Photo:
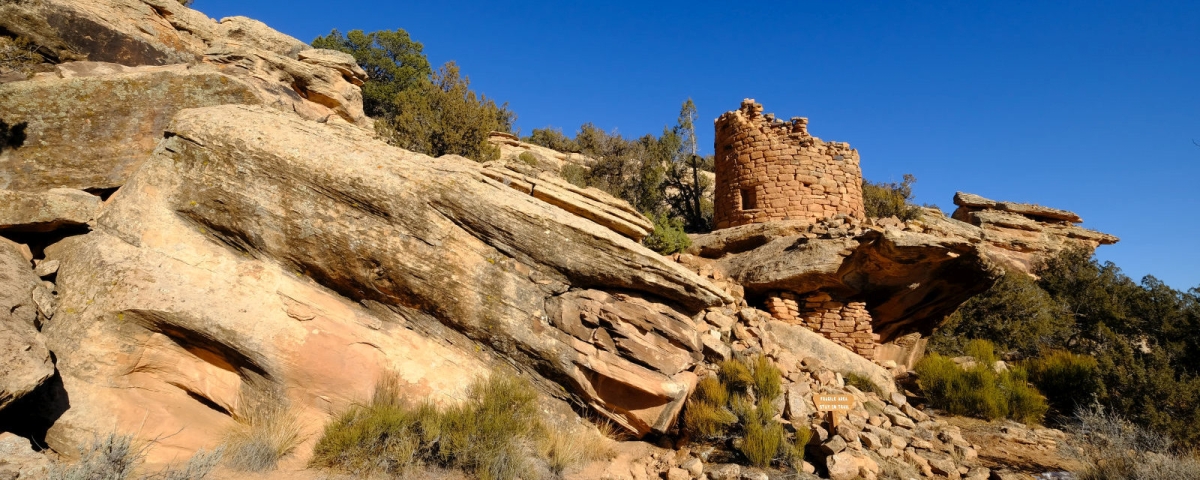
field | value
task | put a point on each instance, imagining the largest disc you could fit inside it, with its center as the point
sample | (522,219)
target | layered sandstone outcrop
(130,65)
(590,203)
(337,261)
(1020,235)
(164,32)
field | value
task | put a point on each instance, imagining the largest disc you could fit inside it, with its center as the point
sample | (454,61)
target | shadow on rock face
(32,415)
(12,136)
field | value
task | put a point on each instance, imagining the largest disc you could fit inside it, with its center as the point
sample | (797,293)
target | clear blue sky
(1090,106)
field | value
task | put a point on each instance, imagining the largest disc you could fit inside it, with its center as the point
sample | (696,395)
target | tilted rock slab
(590,203)
(245,252)
(1020,235)
(46,211)
(24,360)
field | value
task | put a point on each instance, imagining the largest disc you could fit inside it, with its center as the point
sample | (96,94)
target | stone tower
(773,170)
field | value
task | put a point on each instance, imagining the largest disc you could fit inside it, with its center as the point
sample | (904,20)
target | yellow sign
(836,405)
(833,403)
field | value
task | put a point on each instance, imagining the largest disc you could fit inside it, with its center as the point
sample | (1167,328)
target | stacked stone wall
(769,170)
(846,323)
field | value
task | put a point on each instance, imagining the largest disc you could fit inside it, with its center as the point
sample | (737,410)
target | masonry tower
(771,170)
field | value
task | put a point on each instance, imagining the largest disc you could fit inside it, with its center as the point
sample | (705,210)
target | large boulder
(24,360)
(257,251)
(1020,235)
(802,341)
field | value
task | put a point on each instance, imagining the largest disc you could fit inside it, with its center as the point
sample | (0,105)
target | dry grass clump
(266,432)
(980,391)
(737,403)
(112,457)
(116,457)
(563,448)
(1111,448)
(496,433)
(18,55)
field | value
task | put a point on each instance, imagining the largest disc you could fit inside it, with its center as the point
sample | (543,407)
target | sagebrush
(980,390)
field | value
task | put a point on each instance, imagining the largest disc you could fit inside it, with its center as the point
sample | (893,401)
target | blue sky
(1088,106)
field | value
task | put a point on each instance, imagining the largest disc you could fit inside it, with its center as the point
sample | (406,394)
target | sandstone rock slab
(92,132)
(46,211)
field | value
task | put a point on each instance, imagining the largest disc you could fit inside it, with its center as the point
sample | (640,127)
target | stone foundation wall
(773,170)
(848,324)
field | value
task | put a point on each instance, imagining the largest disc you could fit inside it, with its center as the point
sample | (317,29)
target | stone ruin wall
(847,324)
(771,170)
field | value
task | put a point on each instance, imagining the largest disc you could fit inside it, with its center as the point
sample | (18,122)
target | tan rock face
(164,32)
(24,360)
(1020,235)
(89,131)
(257,250)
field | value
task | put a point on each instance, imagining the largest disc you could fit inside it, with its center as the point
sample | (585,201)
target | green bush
(862,383)
(528,159)
(1014,314)
(445,117)
(668,236)
(737,403)
(575,174)
(707,420)
(795,451)
(979,391)
(883,199)
(552,138)
(983,351)
(1068,380)
(712,391)
(763,440)
(735,375)
(415,107)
